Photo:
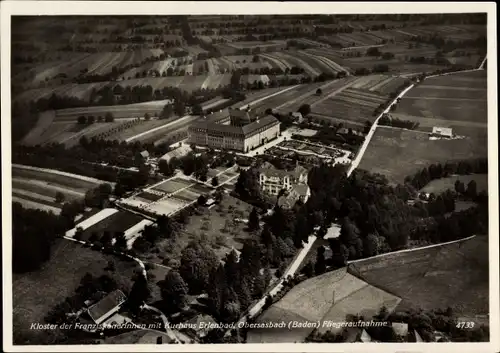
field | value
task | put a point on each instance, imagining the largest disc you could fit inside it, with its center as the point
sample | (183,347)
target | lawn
(440,185)
(432,278)
(172,185)
(35,293)
(117,222)
(397,153)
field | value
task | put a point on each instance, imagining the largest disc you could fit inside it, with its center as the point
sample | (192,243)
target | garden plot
(172,185)
(350,104)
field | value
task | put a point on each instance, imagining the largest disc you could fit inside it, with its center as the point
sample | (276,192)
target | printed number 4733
(465,324)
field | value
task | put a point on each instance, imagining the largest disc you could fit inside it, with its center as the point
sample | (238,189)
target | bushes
(387,120)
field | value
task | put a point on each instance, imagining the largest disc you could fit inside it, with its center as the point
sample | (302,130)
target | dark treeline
(439,170)
(395,122)
(33,234)
(426,323)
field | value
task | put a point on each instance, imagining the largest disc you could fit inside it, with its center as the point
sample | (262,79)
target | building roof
(242,131)
(200,318)
(400,328)
(418,338)
(99,311)
(365,337)
(297,115)
(145,154)
(301,189)
(181,151)
(447,131)
(270,170)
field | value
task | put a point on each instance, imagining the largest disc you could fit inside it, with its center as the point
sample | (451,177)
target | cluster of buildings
(289,186)
(241,130)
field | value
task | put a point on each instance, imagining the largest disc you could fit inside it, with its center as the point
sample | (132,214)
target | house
(297,116)
(145,154)
(272,180)
(107,306)
(298,192)
(442,132)
(201,325)
(179,152)
(400,329)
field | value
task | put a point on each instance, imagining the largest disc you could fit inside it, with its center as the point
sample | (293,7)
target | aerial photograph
(200,179)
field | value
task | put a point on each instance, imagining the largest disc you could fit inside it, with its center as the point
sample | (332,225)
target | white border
(9,8)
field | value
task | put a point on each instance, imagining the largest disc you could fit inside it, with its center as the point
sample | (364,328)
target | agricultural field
(36,293)
(397,153)
(35,188)
(431,278)
(331,296)
(447,101)
(438,186)
(351,104)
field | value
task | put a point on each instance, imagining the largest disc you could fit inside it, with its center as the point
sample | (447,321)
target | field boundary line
(411,250)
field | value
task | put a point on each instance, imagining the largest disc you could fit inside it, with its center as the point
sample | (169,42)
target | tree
(459,187)
(109,118)
(82,120)
(139,293)
(165,168)
(253,220)
(120,241)
(78,233)
(60,197)
(472,189)
(370,245)
(174,290)
(179,107)
(319,92)
(90,120)
(197,109)
(320,266)
(215,181)
(255,59)
(147,117)
(166,112)
(305,109)
(309,269)
(198,260)
(373,51)
(202,200)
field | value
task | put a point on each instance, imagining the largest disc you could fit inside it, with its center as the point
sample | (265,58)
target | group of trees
(33,234)
(395,122)
(439,170)
(108,118)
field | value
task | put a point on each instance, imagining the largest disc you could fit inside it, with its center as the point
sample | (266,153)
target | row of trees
(440,170)
(387,120)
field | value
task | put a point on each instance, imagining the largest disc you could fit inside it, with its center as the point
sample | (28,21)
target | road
(185,117)
(267,97)
(370,134)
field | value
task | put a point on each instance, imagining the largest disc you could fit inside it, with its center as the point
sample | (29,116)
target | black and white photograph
(204,177)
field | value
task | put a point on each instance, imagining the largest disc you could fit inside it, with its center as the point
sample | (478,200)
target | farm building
(179,152)
(107,306)
(245,132)
(272,180)
(442,132)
